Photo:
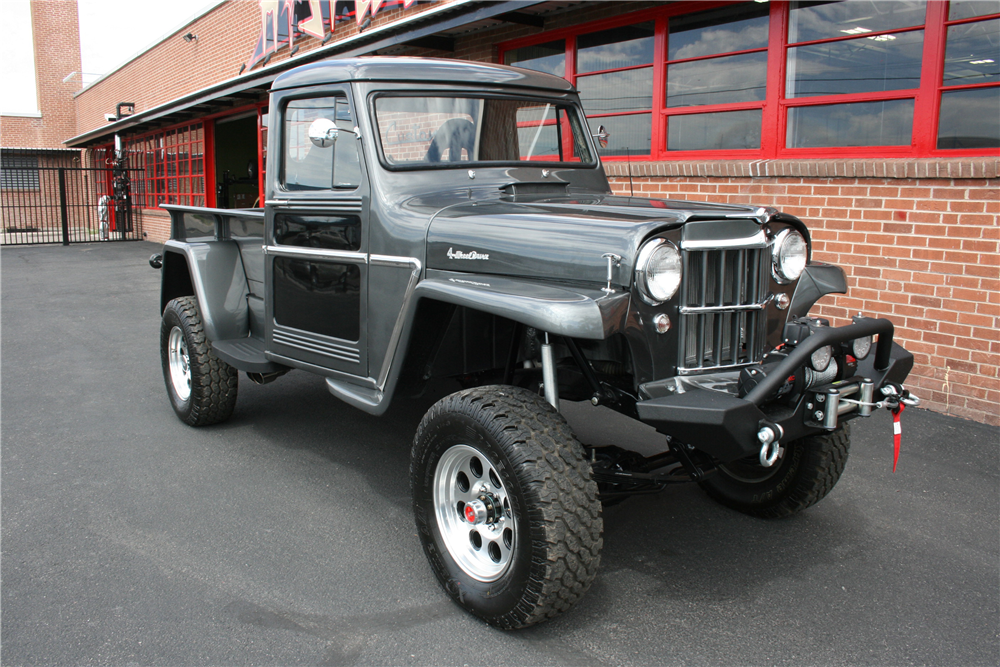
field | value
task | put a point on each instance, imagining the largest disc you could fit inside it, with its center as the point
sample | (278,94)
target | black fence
(59,204)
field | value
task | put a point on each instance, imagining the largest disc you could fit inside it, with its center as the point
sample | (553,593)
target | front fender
(217,280)
(578,312)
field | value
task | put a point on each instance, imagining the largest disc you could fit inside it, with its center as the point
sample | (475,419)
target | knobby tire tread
(550,463)
(215,384)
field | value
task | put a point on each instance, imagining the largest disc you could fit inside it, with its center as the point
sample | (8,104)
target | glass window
(549,58)
(865,65)
(970,119)
(19,172)
(630,135)
(311,167)
(616,48)
(808,21)
(973,53)
(730,130)
(739,28)
(425,131)
(964,9)
(888,123)
(628,90)
(740,78)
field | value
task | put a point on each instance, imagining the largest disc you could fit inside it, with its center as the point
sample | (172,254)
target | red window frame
(775,106)
(173,172)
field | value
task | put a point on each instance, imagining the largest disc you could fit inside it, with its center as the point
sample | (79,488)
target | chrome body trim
(397,330)
(348,256)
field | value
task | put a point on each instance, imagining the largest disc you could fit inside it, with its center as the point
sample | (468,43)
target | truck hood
(563,238)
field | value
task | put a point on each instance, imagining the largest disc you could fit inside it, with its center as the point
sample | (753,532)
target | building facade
(878,123)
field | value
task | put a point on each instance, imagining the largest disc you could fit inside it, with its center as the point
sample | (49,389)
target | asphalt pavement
(285,536)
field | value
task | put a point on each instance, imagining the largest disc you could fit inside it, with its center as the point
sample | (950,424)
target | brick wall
(921,251)
(173,68)
(56,45)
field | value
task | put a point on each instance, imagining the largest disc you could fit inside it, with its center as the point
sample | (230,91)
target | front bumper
(726,426)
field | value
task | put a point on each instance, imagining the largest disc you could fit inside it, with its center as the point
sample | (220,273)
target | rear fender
(212,272)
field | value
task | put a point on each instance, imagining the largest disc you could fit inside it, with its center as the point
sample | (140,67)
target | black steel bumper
(726,426)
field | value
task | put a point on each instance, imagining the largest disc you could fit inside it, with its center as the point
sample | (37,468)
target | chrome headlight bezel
(789,256)
(657,287)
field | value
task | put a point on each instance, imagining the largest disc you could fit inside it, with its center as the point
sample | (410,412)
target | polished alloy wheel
(473,513)
(180,364)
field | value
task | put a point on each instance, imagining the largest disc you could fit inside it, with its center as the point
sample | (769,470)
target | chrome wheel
(179,364)
(473,513)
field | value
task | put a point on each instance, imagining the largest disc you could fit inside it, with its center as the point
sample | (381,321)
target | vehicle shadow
(687,547)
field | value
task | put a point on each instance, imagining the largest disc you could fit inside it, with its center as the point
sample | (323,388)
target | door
(317,228)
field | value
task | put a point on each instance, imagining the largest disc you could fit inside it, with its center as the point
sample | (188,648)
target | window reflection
(612,49)
(973,53)
(549,58)
(730,130)
(808,21)
(970,119)
(868,64)
(630,135)
(723,30)
(888,123)
(629,90)
(723,80)
(964,9)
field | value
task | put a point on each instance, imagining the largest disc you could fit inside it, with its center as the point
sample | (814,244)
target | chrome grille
(722,316)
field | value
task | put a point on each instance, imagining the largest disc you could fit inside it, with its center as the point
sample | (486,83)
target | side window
(307,166)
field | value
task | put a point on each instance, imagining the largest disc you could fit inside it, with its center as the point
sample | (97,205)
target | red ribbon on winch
(897,432)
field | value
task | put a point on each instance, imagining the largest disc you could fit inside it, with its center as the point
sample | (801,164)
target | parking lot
(285,536)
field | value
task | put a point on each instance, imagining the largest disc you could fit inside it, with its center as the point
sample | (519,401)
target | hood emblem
(472,254)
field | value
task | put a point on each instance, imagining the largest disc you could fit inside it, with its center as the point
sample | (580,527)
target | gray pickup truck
(436,219)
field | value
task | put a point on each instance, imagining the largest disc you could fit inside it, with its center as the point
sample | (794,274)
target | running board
(246,354)
(370,399)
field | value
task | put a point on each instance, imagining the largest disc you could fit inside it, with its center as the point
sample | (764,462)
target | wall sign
(284,21)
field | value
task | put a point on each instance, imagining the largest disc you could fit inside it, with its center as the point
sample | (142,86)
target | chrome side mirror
(323,132)
(602,136)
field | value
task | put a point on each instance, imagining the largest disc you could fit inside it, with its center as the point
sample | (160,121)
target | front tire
(505,506)
(804,475)
(202,387)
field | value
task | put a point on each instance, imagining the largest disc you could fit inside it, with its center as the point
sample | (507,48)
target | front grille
(722,316)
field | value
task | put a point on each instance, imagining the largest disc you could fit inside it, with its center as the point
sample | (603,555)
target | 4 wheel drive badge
(472,254)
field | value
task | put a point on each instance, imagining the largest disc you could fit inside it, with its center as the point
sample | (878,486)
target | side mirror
(602,136)
(323,132)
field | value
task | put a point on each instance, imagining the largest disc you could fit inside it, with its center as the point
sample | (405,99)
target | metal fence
(56,204)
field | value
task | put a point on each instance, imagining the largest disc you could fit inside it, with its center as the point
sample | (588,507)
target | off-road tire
(804,475)
(553,503)
(213,383)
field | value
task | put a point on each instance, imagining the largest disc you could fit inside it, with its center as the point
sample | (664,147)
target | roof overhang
(251,87)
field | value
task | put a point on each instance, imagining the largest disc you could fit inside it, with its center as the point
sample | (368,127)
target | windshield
(427,132)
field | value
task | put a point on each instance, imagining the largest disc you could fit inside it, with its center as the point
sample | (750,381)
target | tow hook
(156,261)
(770,451)
(896,394)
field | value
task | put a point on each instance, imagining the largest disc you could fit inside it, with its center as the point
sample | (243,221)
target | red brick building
(877,123)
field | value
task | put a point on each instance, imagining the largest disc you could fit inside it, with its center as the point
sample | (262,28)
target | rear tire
(804,475)
(535,549)
(202,387)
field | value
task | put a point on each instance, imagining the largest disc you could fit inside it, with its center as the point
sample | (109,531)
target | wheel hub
(473,512)
(486,509)
(179,363)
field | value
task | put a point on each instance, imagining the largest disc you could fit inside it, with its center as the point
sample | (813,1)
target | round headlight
(658,271)
(860,347)
(789,255)
(820,359)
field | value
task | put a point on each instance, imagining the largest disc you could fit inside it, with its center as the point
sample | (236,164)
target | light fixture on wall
(190,37)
